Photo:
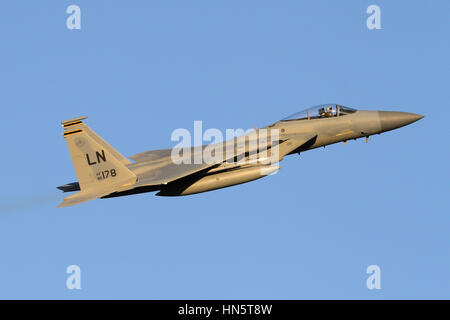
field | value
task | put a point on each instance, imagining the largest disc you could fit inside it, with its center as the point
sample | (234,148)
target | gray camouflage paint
(155,171)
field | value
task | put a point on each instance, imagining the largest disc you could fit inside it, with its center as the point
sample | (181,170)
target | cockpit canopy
(322,111)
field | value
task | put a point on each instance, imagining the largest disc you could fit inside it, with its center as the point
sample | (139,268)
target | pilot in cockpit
(329,111)
(322,112)
(326,113)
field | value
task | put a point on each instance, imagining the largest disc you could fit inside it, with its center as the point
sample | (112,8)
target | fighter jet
(103,172)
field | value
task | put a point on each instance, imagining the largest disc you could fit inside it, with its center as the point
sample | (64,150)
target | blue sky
(140,69)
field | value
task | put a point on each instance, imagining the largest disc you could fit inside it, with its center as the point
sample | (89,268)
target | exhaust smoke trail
(28,202)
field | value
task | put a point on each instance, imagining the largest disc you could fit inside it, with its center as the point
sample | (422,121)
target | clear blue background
(140,69)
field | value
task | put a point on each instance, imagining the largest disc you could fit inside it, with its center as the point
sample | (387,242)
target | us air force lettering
(100,157)
(103,172)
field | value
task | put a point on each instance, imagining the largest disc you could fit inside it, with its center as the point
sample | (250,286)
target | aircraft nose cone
(392,119)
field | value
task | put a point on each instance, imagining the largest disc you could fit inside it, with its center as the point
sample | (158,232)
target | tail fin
(100,169)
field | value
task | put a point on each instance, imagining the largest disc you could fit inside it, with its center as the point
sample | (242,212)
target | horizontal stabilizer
(82,196)
(70,187)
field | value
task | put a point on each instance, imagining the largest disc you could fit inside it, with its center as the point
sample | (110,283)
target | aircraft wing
(156,167)
(171,172)
(151,155)
(161,169)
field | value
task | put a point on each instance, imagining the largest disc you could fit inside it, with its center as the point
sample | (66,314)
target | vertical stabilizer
(99,167)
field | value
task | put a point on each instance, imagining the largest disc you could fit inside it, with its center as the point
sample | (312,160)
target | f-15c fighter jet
(103,172)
